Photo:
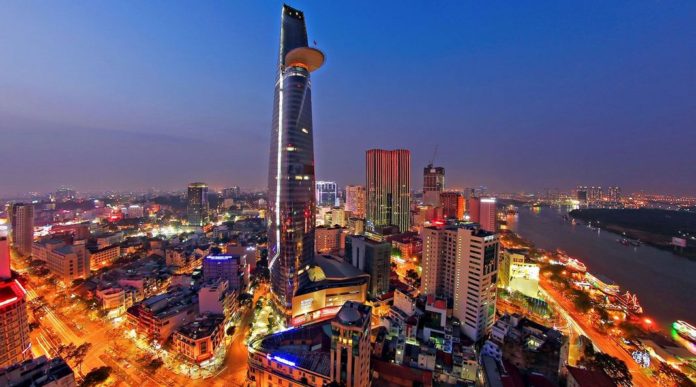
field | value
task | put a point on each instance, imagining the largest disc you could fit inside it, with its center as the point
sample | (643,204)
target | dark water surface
(665,283)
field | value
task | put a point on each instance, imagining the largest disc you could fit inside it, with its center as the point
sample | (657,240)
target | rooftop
(326,272)
(354,314)
(594,378)
(201,327)
(307,347)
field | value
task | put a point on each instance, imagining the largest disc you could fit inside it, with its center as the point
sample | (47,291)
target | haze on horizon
(522,96)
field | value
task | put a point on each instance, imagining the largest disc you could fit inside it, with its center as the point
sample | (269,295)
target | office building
(291,196)
(460,263)
(488,218)
(330,240)
(316,354)
(226,267)
(22,227)
(326,193)
(452,204)
(197,204)
(473,207)
(355,200)
(350,345)
(433,185)
(388,188)
(39,372)
(371,257)
(15,345)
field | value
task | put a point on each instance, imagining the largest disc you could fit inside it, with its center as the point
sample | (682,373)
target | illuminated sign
(219,257)
(284,361)
(306,304)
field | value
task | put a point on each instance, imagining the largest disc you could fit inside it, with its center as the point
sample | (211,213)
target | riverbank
(650,226)
(662,281)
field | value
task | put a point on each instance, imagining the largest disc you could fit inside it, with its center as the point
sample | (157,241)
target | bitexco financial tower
(291,168)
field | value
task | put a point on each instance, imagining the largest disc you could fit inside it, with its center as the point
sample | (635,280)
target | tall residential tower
(291,180)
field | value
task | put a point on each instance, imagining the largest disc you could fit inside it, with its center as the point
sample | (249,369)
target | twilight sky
(519,95)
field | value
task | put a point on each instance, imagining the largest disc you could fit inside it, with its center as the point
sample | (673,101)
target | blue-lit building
(291,181)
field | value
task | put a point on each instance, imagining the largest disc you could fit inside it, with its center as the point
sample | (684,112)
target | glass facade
(291,180)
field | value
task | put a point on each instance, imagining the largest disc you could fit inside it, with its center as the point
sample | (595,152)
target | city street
(601,340)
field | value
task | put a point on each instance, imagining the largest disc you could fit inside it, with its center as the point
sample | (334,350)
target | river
(665,283)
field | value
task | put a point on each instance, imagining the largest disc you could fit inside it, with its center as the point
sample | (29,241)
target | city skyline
(553,103)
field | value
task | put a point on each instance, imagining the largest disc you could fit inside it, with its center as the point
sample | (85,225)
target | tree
(79,354)
(582,301)
(154,364)
(96,376)
(603,314)
(615,368)
(412,274)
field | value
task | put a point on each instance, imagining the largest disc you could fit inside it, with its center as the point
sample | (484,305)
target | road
(601,340)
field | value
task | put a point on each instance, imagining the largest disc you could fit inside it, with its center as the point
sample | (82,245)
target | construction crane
(432,160)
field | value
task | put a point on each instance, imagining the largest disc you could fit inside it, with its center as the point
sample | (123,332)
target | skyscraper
(614,194)
(388,188)
(433,184)
(291,187)
(461,263)
(488,215)
(22,223)
(326,193)
(197,204)
(355,200)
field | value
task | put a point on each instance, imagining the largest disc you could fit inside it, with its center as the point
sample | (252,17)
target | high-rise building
(291,195)
(355,200)
(231,193)
(327,194)
(350,345)
(581,194)
(473,206)
(614,194)
(226,267)
(388,188)
(22,224)
(452,205)
(595,194)
(197,204)
(371,257)
(15,345)
(461,263)
(488,215)
(433,184)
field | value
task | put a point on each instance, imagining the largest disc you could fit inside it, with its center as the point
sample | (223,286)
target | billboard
(679,242)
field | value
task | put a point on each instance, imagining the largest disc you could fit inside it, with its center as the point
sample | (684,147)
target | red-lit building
(452,205)
(15,345)
(388,188)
